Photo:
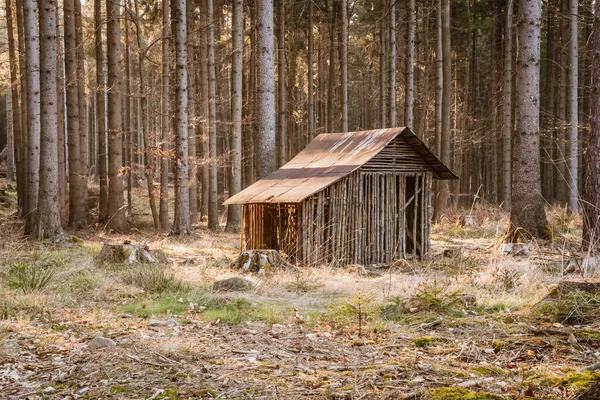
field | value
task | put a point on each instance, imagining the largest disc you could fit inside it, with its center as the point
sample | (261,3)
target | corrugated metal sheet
(328,158)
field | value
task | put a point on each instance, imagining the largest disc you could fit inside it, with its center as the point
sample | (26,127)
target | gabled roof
(328,158)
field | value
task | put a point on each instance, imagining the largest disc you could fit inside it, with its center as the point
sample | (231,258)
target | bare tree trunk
(48,221)
(213,205)
(383,73)
(181,222)
(149,159)
(265,148)
(310,73)
(234,212)
(344,61)
(409,98)
(23,109)
(331,76)
(77,176)
(591,189)
(81,95)
(439,79)
(63,199)
(33,105)
(392,58)
(127,123)
(573,143)
(551,71)
(164,164)
(527,210)
(10,144)
(204,108)
(192,117)
(100,114)
(508,126)
(116,210)
(562,189)
(281,139)
(442,197)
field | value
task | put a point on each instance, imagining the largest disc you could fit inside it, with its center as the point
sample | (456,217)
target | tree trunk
(48,221)
(527,212)
(164,163)
(281,139)
(33,105)
(63,199)
(127,123)
(383,74)
(573,122)
(310,72)
(409,98)
(23,110)
(392,59)
(234,216)
(213,205)
(100,114)
(77,175)
(116,211)
(81,96)
(16,108)
(591,189)
(331,76)
(181,222)
(192,117)
(507,109)
(265,148)
(439,79)
(149,159)
(344,61)
(442,196)
(204,107)
(10,144)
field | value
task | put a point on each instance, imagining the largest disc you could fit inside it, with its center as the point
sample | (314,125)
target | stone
(100,342)
(234,284)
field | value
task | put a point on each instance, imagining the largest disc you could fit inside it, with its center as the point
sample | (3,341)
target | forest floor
(466,324)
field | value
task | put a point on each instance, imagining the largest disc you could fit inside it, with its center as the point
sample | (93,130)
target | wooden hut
(355,197)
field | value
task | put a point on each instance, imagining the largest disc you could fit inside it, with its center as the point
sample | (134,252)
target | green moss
(169,394)
(579,381)
(498,345)
(448,393)
(588,334)
(425,341)
(118,389)
(488,370)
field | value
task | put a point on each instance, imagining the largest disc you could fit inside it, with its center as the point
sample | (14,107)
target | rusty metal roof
(328,158)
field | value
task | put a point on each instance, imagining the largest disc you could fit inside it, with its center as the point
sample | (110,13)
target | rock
(515,249)
(100,342)
(234,284)
(162,322)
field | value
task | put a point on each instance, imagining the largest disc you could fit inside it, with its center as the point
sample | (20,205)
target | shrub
(154,279)
(30,277)
(576,307)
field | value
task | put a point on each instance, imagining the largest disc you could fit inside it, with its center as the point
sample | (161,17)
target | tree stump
(260,261)
(130,253)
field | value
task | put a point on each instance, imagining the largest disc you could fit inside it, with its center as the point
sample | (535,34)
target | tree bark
(409,98)
(344,61)
(392,60)
(33,117)
(439,79)
(81,95)
(77,175)
(48,217)
(281,140)
(164,163)
(527,212)
(591,189)
(265,148)
(203,59)
(10,145)
(573,122)
(116,211)
(149,159)
(310,76)
(63,199)
(192,117)
(181,222)
(507,135)
(23,109)
(100,114)
(213,205)
(234,212)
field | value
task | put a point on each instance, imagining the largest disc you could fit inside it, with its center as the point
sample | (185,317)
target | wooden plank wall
(363,219)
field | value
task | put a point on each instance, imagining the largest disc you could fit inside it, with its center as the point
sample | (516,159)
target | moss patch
(449,393)
(488,370)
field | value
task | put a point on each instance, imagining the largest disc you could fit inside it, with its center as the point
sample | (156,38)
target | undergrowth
(576,307)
